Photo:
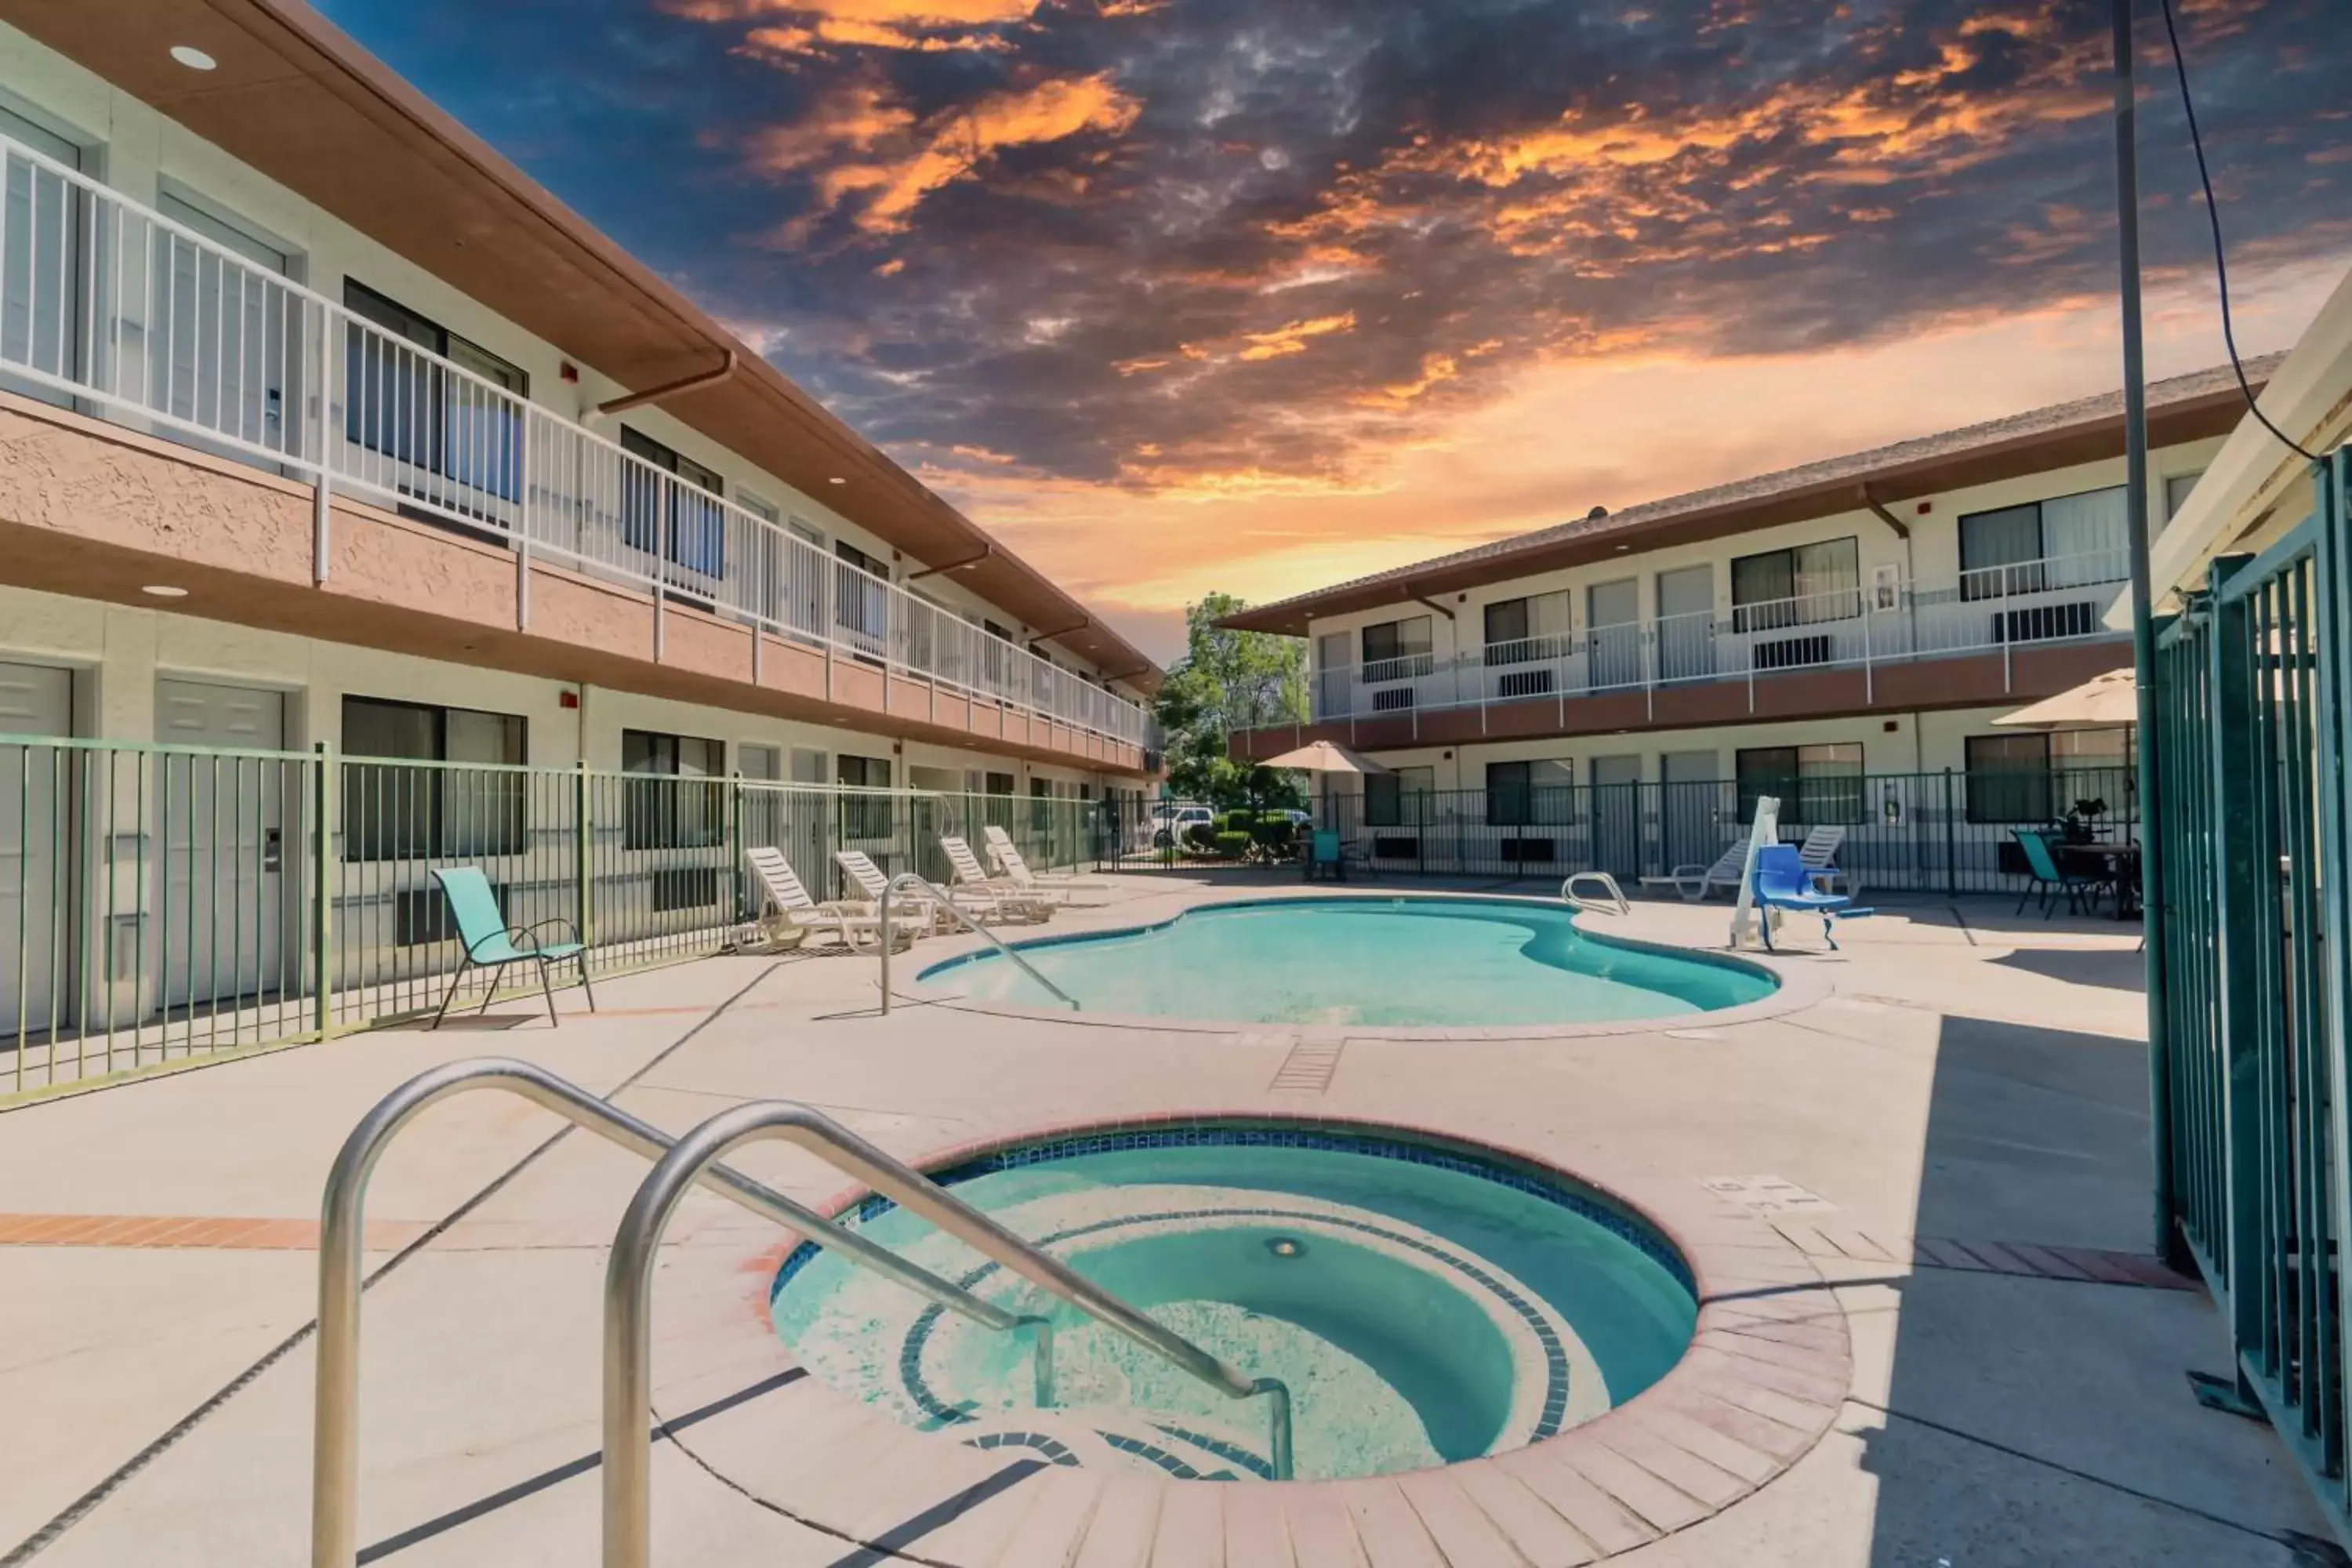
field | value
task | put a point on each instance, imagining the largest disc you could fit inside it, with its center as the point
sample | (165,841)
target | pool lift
(683,1163)
(1774,879)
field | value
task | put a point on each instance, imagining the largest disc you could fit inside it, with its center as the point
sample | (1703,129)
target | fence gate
(2253,685)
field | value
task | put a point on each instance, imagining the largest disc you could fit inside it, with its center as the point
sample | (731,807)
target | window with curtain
(1534,627)
(2176,489)
(1397,650)
(674,799)
(411,409)
(2038,776)
(1399,798)
(861,593)
(2009,779)
(686,521)
(1814,785)
(865,816)
(1523,794)
(2062,543)
(42,290)
(396,812)
(1799,586)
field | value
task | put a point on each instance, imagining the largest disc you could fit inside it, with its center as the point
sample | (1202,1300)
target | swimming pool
(1381,962)
(1426,1302)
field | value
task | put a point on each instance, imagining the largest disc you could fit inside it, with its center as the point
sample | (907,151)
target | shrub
(1232,846)
(1276,833)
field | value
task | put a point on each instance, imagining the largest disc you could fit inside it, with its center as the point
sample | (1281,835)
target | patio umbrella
(2106,701)
(1325,757)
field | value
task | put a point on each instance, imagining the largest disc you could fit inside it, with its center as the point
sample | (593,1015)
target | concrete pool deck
(1962,1100)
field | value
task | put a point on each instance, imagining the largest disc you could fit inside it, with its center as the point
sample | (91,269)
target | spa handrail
(334,1476)
(629,1277)
(940,897)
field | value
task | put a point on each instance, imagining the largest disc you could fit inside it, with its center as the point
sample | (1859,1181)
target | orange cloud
(1291,337)
(1435,370)
(907,163)
(859,142)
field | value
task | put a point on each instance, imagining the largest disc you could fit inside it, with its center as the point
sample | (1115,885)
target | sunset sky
(1255,295)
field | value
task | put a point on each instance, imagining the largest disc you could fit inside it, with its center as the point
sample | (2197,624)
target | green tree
(1229,682)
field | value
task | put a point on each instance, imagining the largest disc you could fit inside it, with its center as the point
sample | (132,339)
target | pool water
(1423,1306)
(1378,962)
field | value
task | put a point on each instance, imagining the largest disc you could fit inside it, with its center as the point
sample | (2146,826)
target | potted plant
(2082,819)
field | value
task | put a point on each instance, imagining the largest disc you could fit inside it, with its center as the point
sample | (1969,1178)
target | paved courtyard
(1956,1105)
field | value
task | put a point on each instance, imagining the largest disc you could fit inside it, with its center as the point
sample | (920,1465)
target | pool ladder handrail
(334,1477)
(629,1294)
(940,897)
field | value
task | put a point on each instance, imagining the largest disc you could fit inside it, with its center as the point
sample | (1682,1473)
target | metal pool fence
(2255,704)
(160,903)
(1932,833)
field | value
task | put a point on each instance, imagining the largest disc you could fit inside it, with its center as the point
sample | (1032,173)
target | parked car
(1175,822)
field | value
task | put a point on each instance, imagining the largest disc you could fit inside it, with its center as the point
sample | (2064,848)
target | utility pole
(2151,802)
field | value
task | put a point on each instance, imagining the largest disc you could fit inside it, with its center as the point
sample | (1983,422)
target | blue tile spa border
(1218,1134)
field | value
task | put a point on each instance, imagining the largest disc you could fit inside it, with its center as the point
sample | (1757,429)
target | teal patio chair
(492,945)
(1325,857)
(2050,880)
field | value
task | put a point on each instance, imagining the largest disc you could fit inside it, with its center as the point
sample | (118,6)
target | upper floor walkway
(113,310)
(1861,627)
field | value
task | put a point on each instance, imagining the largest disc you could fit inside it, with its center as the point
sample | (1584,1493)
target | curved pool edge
(1769,1364)
(1796,986)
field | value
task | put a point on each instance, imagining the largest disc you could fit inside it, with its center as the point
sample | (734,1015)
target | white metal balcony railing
(108,302)
(1999,608)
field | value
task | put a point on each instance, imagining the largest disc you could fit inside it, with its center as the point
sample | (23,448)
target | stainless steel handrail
(334,1476)
(629,1278)
(940,895)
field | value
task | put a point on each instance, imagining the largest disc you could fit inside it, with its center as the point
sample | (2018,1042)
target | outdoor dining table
(2116,864)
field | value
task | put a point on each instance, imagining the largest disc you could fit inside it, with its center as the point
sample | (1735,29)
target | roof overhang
(2256,489)
(2088,440)
(298,100)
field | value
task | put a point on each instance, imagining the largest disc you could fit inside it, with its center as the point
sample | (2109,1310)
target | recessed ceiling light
(164,591)
(837,479)
(194,58)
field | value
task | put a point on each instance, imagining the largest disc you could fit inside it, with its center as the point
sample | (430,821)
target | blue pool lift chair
(1782,883)
(491,943)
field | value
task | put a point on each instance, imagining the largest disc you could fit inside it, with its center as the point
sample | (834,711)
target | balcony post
(1869,676)
(322,504)
(522,523)
(1644,652)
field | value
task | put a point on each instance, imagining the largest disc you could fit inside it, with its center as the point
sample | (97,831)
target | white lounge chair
(1818,852)
(1695,881)
(916,909)
(787,914)
(1008,859)
(1020,883)
(973,884)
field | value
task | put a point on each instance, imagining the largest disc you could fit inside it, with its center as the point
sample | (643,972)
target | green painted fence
(2255,695)
(166,902)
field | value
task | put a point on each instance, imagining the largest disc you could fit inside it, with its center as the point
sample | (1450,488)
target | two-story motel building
(321,424)
(1837,635)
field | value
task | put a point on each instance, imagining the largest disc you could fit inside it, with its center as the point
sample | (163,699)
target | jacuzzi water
(1380,961)
(1423,1305)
